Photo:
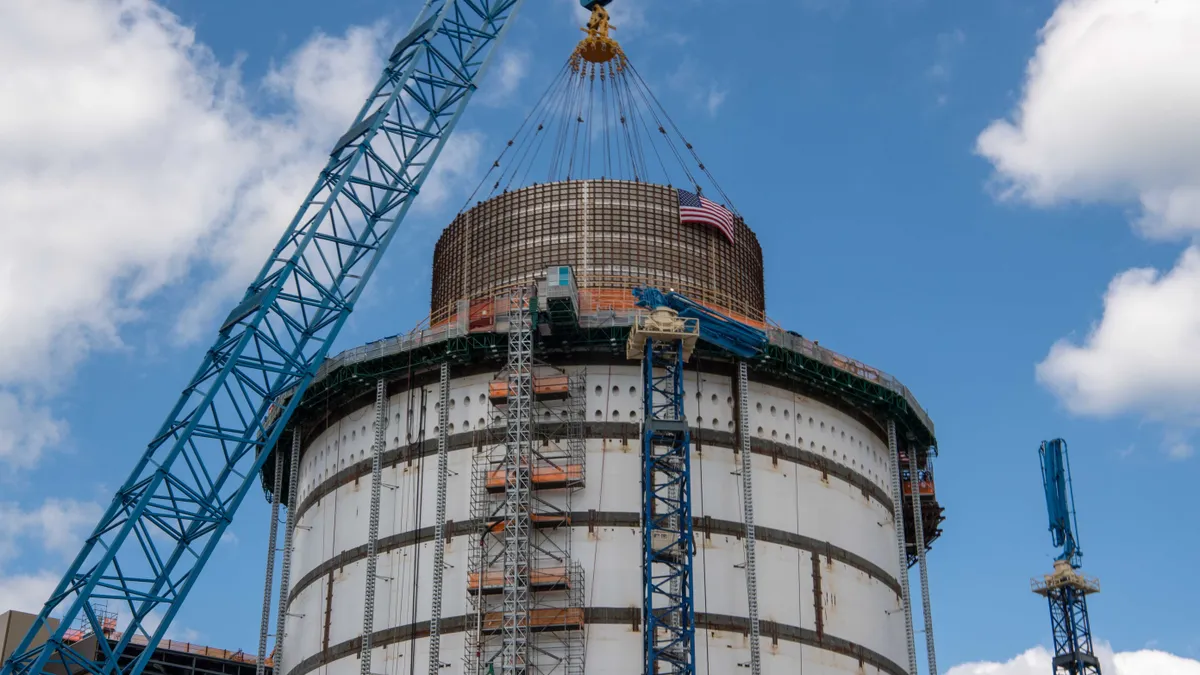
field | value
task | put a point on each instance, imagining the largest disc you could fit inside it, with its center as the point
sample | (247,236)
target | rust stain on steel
(818,603)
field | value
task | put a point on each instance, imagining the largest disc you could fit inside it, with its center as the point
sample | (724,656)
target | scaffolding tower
(525,589)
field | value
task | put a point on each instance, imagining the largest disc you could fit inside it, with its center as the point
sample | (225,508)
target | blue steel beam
(164,522)
(668,612)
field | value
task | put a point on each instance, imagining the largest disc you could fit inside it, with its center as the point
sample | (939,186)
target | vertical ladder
(898,519)
(748,515)
(285,569)
(518,486)
(918,525)
(272,543)
(668,614)
(439,522)
(364,663)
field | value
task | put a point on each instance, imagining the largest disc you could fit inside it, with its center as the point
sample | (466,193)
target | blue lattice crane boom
(163,524)
(1060,500)
(1066,590)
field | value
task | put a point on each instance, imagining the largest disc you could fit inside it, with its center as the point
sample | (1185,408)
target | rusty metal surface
(615,234)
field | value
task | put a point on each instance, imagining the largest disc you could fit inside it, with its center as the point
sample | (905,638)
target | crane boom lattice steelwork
(165,521)
(1066,590)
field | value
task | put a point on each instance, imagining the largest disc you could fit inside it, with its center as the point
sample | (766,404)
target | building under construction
(823,432)
(595,456)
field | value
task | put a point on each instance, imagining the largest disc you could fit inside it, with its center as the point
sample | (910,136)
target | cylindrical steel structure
(827,569)
(614,234)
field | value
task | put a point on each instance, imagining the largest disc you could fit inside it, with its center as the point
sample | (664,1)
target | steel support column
(902,555)
(439,521)
(748,514)
(285,568)
(364,655)
(269,577)
(919,527)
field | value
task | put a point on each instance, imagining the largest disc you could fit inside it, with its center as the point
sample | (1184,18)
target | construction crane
(1066,589)
(163,524)
(664,340)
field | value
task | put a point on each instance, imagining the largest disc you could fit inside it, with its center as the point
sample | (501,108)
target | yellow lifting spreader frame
(598,47)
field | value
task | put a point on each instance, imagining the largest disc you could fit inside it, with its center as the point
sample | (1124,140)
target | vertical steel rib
(269,577)
(364,662)
(748,515)
(919,527)
(439,522)
(898,519)
(285,569)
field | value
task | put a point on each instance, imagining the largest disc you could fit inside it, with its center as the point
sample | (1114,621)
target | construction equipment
(165,521)
(1066,589)
(664,340)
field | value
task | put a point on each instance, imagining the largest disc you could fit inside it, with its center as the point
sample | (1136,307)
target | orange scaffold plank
(540,619)
(545,387)
(544,477)
(549,579)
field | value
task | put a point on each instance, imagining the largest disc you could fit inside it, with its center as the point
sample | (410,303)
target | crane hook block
(590,4)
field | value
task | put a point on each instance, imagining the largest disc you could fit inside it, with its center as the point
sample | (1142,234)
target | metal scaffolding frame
(743,385)
(368,631)
(552,466)
(285,568)
(439,522)
(902,559)
(260,666)
(915,481)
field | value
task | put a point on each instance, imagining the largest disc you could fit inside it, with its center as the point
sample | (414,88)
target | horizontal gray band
(701,439)
(620,616)
(589,519)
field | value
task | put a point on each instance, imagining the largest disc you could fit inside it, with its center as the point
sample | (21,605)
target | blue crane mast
(164,522)
(1066,589)
(664,340)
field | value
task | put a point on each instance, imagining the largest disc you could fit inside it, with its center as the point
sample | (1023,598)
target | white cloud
(26,430)
(1036,661)
(1107,113)
(1106,116)
(137,160)
(1144,355)
(26,592)
(504,77)
(57,526)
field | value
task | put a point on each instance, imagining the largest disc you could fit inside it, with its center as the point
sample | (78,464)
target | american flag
(696,209)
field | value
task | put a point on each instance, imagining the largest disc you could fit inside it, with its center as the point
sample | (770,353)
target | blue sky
(910,218)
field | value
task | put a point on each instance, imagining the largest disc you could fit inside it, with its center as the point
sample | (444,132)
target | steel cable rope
(496,163)
(398,503)
(642,92)
(580,93)
(636,115)
(796,496)
(703,549)
(629,132)
(420,502)
(540,139)
(587,131)
(599,508)
(690,147)
(606,122)
(555,95)
(560,133)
